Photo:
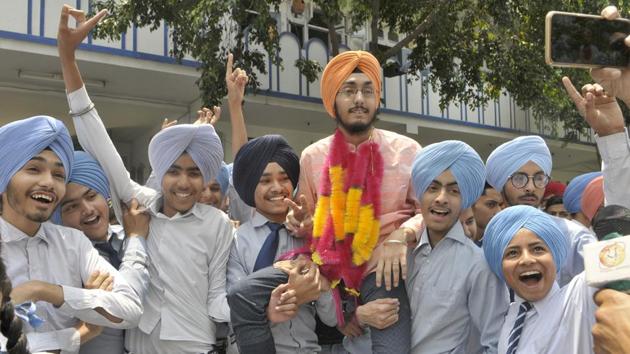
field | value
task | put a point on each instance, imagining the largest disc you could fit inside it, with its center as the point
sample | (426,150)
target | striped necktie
(515,333)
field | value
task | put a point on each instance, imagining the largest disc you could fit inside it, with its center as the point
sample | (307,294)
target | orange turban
(340,68)
(593,197)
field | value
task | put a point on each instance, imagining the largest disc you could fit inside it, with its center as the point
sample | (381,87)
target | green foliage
(309,68)
(473,50)
(205,29)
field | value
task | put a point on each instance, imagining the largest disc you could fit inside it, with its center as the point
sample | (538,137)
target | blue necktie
(107,250)
(515,333)
(267,253)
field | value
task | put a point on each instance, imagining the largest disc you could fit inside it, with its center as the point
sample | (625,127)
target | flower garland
(346,222)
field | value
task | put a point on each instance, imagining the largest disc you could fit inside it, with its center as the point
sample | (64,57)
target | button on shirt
(559,323)
(298,334)
(451,293)
(188,252)
(65,256)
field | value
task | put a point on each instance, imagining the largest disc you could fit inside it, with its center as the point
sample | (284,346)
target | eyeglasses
(349,92)
(520,180)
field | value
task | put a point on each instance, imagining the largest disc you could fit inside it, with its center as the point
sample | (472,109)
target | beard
(14,203)
(358,127)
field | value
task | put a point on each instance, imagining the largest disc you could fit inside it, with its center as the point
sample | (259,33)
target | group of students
(362,233)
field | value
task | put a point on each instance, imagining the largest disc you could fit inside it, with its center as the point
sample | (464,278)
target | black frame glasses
(520,180)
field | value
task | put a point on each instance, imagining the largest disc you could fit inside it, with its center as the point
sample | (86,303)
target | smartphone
(585,41)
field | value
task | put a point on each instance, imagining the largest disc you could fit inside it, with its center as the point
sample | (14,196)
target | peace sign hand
(299,220)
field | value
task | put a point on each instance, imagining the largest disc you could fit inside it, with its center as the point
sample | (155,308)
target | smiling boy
(47,263)
(266,171)
(451,289)
(524,247)
(188,242)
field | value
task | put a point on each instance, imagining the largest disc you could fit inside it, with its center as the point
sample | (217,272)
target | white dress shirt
(189,252)
(133,268)
(615,152)
(64,256)
(578,236)
(453,293)
(298,334)
(559,323)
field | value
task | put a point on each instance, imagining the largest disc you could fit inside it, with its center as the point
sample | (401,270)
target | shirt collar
(456,233)
(258,219)
(376,137)
(541,305)
(11,233)
(156,205)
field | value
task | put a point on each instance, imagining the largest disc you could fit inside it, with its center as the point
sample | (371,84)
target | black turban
(252,159)
(611,218)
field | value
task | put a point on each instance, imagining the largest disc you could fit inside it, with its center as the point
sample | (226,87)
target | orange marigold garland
(346,222)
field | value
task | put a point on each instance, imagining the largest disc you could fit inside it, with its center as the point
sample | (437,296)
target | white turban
(201,142)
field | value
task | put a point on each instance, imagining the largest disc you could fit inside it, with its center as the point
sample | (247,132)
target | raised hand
(235,81)
(615,81)
(299,219)
(601,112)
(68,39)
(168,123)
(208,116)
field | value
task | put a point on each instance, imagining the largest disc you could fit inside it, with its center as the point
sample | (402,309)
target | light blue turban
(509,157)
(572,197)
(223,178)
(504,226)
(87,172)
(20,141)
(463,161)
(201,142)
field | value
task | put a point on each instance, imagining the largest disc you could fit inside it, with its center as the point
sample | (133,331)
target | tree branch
(410,37)
(376,7)
(332,35)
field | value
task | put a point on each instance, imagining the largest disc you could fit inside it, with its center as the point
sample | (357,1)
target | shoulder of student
(319,147)
(210,214)
(572,229)
(69,235)
(398,140)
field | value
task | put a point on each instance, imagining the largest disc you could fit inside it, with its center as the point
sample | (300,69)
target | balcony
(138,69)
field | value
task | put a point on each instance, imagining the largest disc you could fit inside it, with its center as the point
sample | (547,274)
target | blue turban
(200,141)
(509,157)
(88,173)
(20,141)
(252,159)
(223,178)
(504,226)
(463,161)
(572,198)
